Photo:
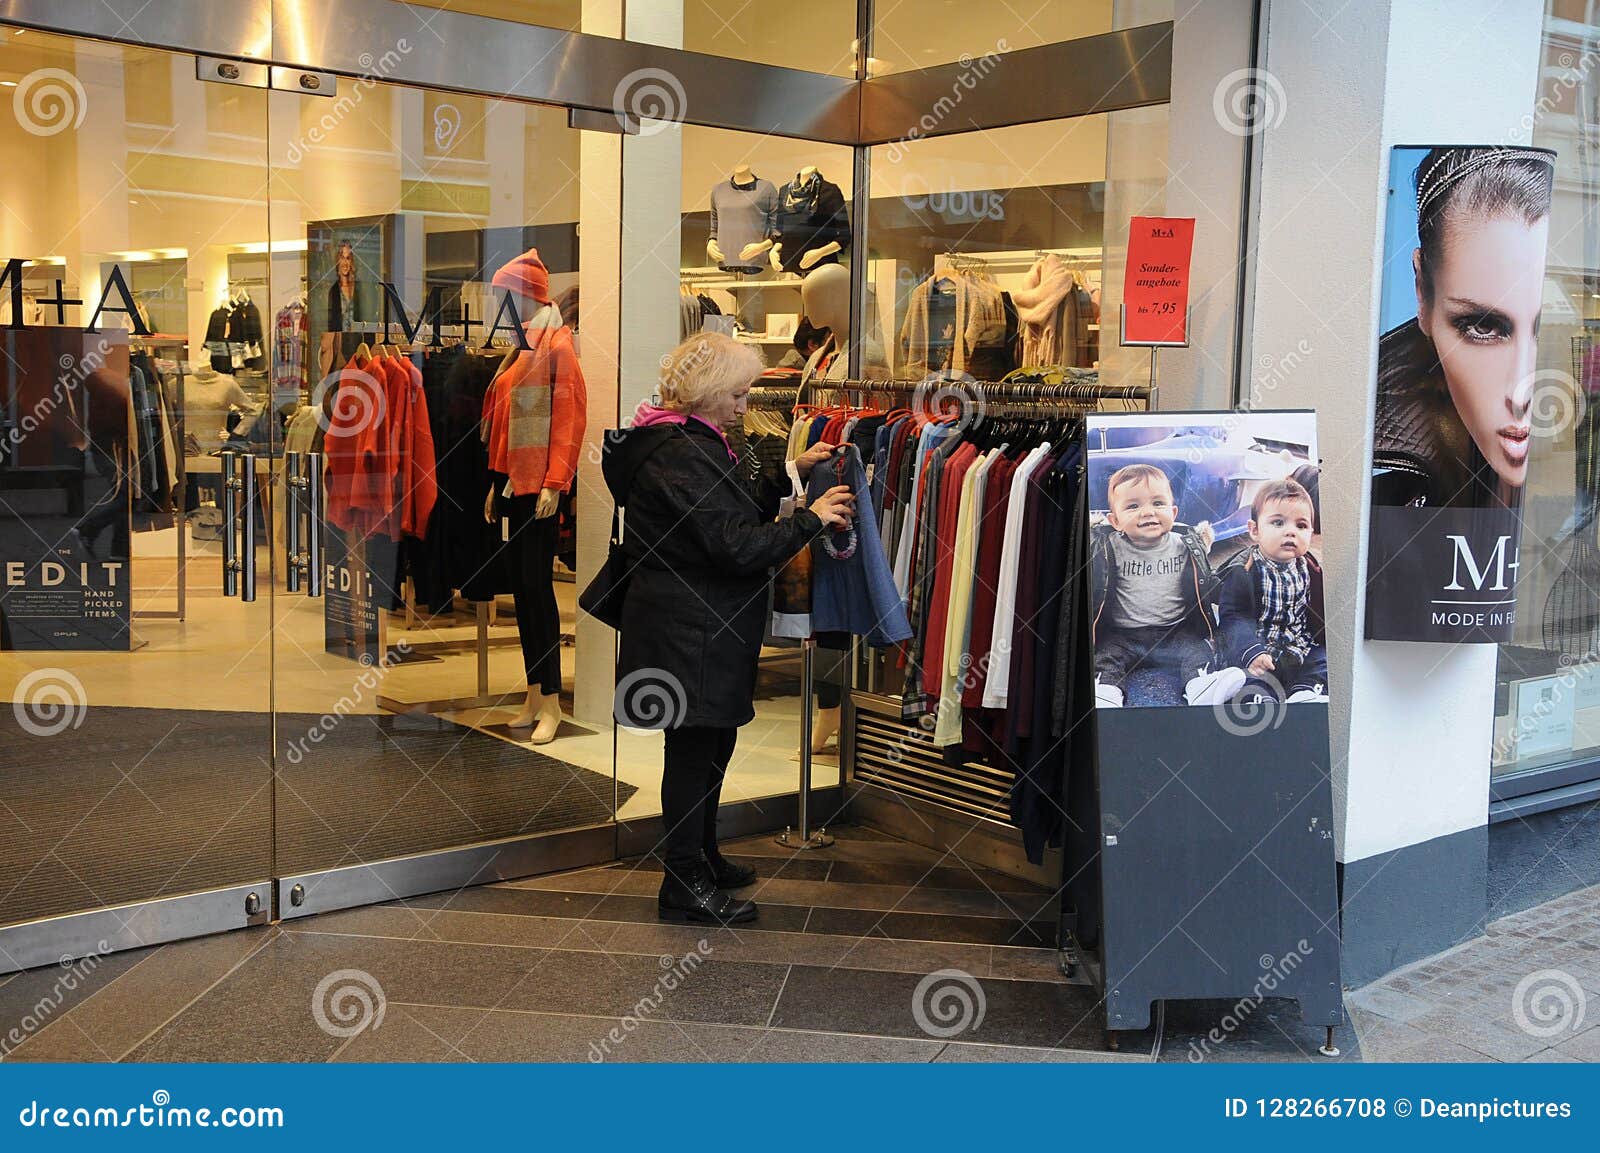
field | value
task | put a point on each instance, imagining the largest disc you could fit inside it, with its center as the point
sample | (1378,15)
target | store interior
(255,232)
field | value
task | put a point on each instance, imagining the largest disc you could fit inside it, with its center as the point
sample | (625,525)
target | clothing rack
(1070,394)
(873,717)
(1018,259)
(1077,393)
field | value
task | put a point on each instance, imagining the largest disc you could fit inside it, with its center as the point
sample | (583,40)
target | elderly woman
(700,544)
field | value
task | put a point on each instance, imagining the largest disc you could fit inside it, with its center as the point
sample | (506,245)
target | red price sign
(1155,286)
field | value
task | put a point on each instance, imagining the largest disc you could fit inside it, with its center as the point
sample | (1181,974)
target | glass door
(425,252)
(135,743)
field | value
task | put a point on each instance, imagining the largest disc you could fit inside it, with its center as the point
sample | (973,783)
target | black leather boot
(727,874)
(696,899)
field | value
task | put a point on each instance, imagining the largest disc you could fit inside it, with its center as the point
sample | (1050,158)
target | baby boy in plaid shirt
(1270,605)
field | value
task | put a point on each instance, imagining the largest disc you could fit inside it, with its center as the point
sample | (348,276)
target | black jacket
(700,545)
(1422,453)
(1199,578)
(810,213)
(1239,609)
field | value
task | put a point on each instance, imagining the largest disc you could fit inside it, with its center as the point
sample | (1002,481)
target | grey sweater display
(741,215)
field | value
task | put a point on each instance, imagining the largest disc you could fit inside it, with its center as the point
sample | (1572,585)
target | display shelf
(729,284)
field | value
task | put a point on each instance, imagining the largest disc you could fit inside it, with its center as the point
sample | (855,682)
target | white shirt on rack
(997,686)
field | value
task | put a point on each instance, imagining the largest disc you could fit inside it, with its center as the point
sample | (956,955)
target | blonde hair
(704,367)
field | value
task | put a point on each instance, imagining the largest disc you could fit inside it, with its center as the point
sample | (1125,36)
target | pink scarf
(648,414)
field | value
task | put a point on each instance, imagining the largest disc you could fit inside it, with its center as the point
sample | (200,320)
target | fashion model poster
(1205,555)
(346,265)
(1463,284)
(75,448)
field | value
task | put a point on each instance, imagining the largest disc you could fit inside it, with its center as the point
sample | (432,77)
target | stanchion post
(804,838)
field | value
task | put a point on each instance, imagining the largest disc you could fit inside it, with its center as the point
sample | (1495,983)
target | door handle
(303,475)
(239,525)
(292,484)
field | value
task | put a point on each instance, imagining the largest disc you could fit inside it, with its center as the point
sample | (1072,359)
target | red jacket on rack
(419,484)
(357,481)
(379,450)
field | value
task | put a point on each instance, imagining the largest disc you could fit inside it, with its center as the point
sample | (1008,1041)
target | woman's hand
(836,508)
(812,457)
(488,506)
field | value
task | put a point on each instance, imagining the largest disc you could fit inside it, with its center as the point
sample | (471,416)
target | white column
(1411,722)
(628,284)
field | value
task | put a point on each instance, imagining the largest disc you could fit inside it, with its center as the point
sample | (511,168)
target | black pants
(532,551)
(691,788)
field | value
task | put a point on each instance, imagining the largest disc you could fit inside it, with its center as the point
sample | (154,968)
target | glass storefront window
(746,269)
(821,38)
(567,15)
(923,33)
(1547,699)
(817,38)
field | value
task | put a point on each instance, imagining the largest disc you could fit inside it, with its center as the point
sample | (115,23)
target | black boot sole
(701,917)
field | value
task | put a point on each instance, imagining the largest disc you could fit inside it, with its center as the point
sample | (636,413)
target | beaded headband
(1441,175)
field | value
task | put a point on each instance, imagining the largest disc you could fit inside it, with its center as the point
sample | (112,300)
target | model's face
(346,264)
(1142,511)
(1484,323)
(1284,530)
(726,409)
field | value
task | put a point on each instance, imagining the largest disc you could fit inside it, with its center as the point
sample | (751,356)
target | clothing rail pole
(803,837)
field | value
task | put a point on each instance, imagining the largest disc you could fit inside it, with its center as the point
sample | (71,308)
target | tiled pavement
(1528,990)
(575,967)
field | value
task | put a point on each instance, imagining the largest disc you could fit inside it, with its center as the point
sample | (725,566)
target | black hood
(626,449)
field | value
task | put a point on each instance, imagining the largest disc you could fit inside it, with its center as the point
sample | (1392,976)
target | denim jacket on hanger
(852,587)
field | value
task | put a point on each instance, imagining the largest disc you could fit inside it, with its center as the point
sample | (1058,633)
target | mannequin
(208,397)
(812,225)
(534,417)
(743,211)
